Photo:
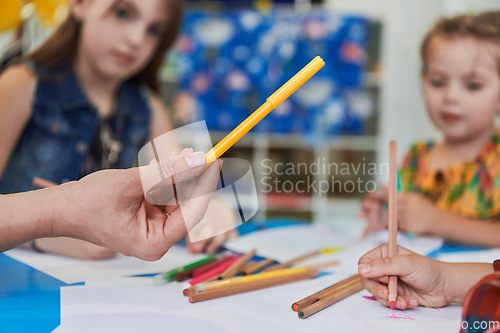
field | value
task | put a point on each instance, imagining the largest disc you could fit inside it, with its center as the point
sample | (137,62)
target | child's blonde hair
(62,45)
(483,27)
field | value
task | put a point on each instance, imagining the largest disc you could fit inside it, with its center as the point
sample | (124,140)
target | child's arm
(17,86)
(460,229)
(422,281)
(418,215)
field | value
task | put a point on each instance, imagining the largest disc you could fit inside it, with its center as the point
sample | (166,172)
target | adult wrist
(61,210)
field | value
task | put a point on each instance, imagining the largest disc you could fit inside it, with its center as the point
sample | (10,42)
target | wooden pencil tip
(301,315)
(190,299)
(185,292)
(295,307)
(392,305)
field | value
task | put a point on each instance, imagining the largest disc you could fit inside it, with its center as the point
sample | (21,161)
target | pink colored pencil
(214,272)
(209,267)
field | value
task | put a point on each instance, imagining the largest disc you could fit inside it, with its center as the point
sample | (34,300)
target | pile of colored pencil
(328,296)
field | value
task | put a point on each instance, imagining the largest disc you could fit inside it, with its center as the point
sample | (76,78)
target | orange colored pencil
(393,218)
(247,267)
(42,183)
(291,262)
(323,264)
(339,294)
(297,306)
(250,286)
(235,268)
(256,267)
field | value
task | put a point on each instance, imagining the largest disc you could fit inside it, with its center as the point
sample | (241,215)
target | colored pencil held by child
(422,281)
(337,292)
(450,189)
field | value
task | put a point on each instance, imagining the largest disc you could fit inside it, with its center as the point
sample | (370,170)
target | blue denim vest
(63,124)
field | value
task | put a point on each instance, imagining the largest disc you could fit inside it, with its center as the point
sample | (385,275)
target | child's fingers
(383,279)
(186,151)
(376,253)
(401,265)
(366,205)
(381,252)
(376,289)
(406,302)
(402,302)
(411,301)
(366,232)
(195,247)
(216,242)
(381,294)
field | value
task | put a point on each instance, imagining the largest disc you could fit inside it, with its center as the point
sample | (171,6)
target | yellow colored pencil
(271,103)
(243,279)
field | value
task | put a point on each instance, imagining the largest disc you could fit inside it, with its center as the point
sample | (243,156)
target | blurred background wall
(231,55)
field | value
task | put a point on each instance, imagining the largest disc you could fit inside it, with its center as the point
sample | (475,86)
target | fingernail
(195,159)
(412,302)
(364,269)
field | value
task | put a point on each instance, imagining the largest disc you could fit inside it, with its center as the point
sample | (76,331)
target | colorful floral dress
(470,189)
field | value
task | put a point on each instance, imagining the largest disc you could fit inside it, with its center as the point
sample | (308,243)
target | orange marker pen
(271,103)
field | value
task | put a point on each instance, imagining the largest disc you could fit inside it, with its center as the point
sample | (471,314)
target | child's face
(462,86)
(118,41)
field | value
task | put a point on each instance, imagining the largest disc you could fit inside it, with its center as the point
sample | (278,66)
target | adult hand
(108,208)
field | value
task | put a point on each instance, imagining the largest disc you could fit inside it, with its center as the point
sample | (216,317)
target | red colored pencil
(204,269)
(214,272)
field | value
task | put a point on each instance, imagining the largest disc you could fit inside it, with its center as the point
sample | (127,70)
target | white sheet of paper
(71,270)
(473,256)
(353,314)
(136,305)
(421,245)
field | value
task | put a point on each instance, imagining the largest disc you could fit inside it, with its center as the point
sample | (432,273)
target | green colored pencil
(170,275)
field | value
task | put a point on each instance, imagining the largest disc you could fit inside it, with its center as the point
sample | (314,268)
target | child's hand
(421,280)
(416,214)
(374,211)
(219,217)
